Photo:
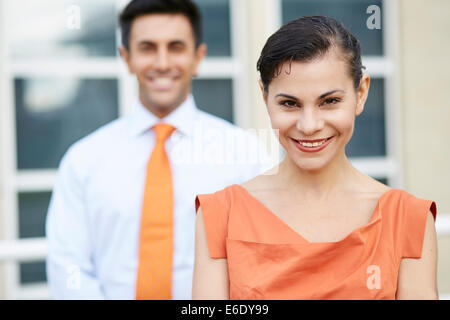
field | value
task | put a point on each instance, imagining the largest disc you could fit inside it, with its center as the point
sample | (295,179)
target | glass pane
(383,180)
(369,135)
(215,97)
(32,212)
(63,28)
(352,13)
(32,272)
(216,26)
(52,113)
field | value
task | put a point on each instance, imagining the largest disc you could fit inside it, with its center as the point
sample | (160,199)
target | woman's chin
(310,165)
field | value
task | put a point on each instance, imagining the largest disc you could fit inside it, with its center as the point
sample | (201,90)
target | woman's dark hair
(307,38)
(137,8)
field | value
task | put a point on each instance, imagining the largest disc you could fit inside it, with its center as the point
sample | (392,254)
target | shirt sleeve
(215,212)
(70,267)
(413,225)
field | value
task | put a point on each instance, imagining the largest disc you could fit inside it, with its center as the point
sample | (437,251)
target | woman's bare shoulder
(258,184)
(372,189)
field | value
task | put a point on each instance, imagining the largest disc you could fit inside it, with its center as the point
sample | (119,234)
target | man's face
(163,56)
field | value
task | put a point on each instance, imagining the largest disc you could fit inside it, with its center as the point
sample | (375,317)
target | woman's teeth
(312,144)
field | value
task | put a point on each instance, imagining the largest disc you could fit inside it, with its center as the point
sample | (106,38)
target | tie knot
(163,131)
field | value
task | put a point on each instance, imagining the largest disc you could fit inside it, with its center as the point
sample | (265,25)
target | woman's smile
(312,145)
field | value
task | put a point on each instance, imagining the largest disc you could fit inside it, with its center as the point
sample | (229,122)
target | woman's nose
(309,121)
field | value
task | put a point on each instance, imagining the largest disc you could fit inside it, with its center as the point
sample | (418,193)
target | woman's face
(313,105)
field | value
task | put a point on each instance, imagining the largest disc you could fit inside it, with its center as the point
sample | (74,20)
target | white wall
(425,79)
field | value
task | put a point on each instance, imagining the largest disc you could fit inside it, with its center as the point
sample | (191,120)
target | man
(121,220)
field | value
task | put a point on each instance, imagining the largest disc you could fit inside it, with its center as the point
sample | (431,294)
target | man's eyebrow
(330,92)
(145,42)
(149,42)
(177,42)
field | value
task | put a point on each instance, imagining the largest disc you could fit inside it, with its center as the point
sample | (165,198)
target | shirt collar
(182,118)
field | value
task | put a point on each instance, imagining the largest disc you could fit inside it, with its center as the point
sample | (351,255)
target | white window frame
(14,250)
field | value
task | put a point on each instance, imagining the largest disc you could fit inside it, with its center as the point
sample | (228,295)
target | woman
(319,228)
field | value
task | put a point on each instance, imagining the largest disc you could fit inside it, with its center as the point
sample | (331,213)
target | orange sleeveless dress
(269,260)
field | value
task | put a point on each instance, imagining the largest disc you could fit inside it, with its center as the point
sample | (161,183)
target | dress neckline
(375,217)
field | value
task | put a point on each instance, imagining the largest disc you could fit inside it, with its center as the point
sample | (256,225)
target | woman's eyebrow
(330,92)
(285,96)
(321,96)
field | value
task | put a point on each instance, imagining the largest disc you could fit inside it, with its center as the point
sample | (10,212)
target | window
(32,212)
(52,113)
(352,13)
(53,73)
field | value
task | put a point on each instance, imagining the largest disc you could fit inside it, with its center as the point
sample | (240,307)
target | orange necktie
(154,277)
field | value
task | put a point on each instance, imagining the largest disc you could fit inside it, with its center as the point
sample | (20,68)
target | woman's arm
(417,277)
(210,275)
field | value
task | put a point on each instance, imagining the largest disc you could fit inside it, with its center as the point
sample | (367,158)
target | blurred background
(61,78)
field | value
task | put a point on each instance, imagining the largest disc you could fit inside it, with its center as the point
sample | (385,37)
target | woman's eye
(288,103)
(331,101)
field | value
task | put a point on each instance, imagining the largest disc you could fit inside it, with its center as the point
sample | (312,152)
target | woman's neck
(335,178)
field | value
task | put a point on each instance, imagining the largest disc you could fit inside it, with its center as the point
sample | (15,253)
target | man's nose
(162,60)
(310,121)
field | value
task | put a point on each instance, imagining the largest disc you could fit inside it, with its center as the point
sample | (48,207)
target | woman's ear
(264,92)
(361,93)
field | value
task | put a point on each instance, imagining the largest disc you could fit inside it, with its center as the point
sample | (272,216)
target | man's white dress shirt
(93,221)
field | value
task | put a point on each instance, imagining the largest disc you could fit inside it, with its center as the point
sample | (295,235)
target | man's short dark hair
(137,8)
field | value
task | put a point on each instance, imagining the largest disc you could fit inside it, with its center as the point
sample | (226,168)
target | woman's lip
(312,149)
(312,141)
